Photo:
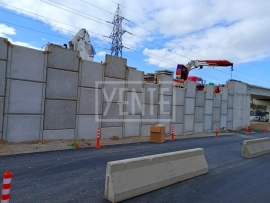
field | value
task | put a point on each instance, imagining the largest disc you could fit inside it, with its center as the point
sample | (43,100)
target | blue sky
(175,31)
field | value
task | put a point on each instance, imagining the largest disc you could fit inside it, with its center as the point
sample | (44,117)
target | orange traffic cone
(6,187)
(98,139)
(172,133)
(216,131)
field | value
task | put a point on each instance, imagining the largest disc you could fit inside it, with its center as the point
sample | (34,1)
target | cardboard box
(157,133)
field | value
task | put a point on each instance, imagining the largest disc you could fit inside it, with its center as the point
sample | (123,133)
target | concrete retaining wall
(255,147)
(70,99)
(132,177)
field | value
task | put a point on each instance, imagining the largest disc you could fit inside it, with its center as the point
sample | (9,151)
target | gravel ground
(259,125)
(9,148)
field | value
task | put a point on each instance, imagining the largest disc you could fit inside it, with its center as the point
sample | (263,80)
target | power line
(178,32)
(106,24)
(33,29)
(143,38)
(97,7)
(73,12)
(45,18)
(69,30)
(162,23)
(33,14)
(35,20)
(167,41)
(252,76)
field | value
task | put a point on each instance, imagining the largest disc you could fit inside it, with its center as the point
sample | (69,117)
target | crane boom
(200,63)
(183,70)
(81,42)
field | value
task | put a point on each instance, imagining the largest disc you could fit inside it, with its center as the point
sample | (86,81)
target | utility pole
(116,35)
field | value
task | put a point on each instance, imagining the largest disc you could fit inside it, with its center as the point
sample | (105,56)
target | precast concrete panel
(223,121)
(87,126)
(89,101)
(208,106)
(229,125)
(237,124)
(224,94)
(230,101)
(246,102)
(208,123)
(149,114)
(110,132)
(58,134)
(132,125)
(178,97)
(165,104)
(165,120)
(209,92)
(166,83)
(91,74)
(237,114)
(27,64)
(231,87)
(60,114)
(230,115)
(112,115)
(238,101)
(61,84)
(200,98)
(134,103)
(145,130)
(115,67)
(20,128)
(199,114)
(245,117)
(190,105)
(178,129)
(216,115)
(1,113)
(151,94)
(198,127)
(3,49)
(24,97)
(65,59)
(135,80)
(178,114)
(189,123)
(240,88)
(224,107)
(114,90)
(3,65)
(191,89)
(217,100)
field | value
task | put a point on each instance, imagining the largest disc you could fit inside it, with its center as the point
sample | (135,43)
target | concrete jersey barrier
(132,177)
(255,147)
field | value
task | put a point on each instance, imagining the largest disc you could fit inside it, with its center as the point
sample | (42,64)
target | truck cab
(199,82)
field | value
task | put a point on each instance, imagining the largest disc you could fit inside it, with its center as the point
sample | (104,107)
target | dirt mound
(114,138)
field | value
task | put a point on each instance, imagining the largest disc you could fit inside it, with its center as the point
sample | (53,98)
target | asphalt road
(78,175)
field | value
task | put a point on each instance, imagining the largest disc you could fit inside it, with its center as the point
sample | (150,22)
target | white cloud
(101,53)
(5,30)
(197,29)
(24,44)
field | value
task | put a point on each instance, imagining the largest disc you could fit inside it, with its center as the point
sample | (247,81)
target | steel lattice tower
(117,33)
